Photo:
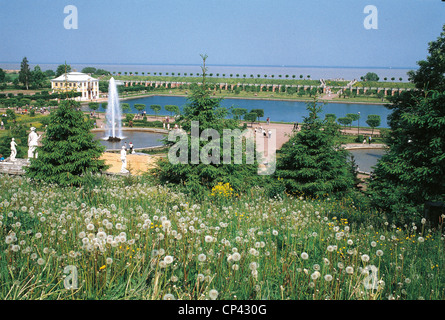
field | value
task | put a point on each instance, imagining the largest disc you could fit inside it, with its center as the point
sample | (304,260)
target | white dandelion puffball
(168,296)
(202,257)
(200,277)
(168,259)
(328,277)
(315,275)
(213,294)
(208,239)
(304,256)
(349,270)
(236,256)
(365,258)
(253,266)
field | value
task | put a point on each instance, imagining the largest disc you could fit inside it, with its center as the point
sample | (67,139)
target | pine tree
(311,163)
(25,73)
(68,154)
(197,177)
(412,171)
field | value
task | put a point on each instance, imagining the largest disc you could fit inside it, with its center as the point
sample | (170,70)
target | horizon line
(216,65)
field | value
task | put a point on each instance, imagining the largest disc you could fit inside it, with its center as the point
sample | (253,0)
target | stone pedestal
(13,167)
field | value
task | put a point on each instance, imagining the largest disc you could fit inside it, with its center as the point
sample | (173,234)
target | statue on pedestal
(13,150)
(33,138)
(124,160)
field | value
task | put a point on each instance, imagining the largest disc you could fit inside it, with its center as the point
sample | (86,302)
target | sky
(230,32)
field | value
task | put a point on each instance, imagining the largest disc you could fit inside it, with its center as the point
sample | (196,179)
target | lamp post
(358,127)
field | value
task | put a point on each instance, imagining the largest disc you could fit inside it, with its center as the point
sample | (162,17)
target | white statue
(33,138)
(124,160)
(13,150)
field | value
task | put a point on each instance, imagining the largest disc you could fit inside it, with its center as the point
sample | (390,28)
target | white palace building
(77,82)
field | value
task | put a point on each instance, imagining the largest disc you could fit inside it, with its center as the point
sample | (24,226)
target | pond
(140,139)
(277,110)
(366,158)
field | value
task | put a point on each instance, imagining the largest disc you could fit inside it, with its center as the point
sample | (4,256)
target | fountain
(113,114)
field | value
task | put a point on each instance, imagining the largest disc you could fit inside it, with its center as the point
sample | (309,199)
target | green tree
(91,70)
(69,154)
(311,162)
(259,113)
(198,176)
(61,69)
(25,73)
(353,116)
(2,75)
(251,117)
(371,76)
(344,121)
(172,109)
(139,107)
(156,108)
(37,78)
(412,170)
(93,106)
(373,121)
(330,117)
(125,107)
(49,73)
(238,113)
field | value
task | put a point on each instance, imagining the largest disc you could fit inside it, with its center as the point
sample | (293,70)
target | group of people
(263,131)
(369,140)
(131,146)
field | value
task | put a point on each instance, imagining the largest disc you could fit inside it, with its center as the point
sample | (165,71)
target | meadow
(128,238)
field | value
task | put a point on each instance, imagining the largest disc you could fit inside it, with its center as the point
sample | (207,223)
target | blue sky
(230,32)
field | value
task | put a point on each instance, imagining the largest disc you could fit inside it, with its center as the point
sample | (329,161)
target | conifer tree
(68,154)
(25,73)
(311,163)
(198,176)
(412,171)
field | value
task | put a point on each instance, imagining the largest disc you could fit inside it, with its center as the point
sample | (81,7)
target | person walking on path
(369,139)
(268,120)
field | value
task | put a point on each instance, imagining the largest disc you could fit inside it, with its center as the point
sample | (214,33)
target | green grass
(385,84)
(122,233)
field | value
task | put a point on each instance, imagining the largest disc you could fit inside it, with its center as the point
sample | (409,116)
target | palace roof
(74,77)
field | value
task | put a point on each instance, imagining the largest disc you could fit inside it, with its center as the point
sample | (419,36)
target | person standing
(268,120)
(369,139)
(131,147)
(270,133)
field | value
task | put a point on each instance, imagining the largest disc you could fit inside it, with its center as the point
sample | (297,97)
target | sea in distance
(315,72)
